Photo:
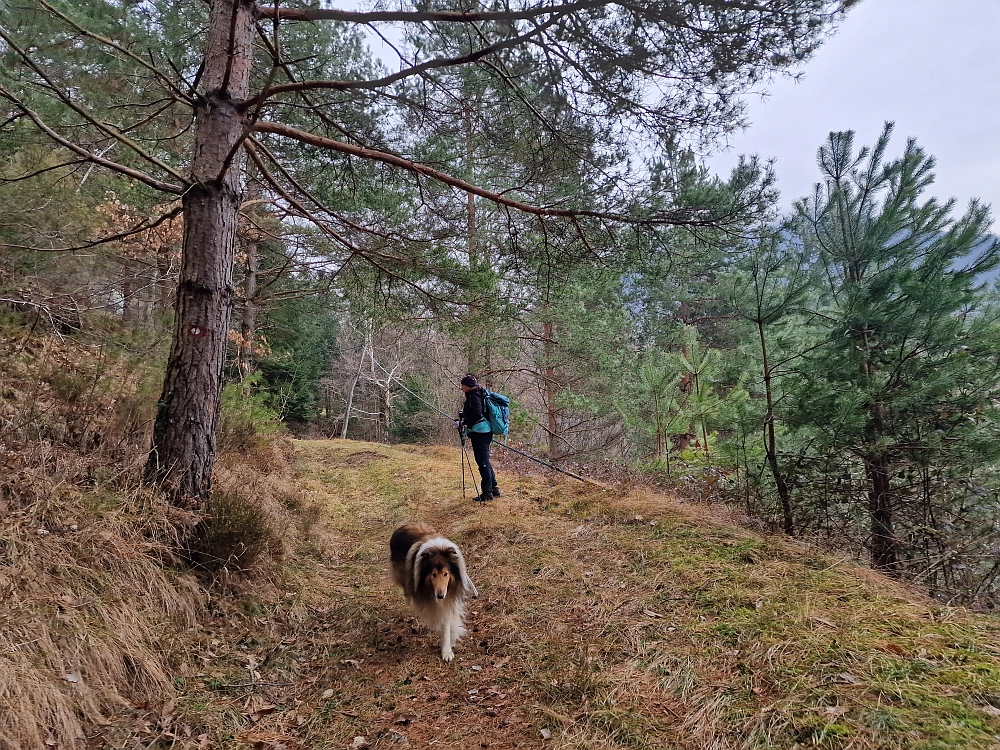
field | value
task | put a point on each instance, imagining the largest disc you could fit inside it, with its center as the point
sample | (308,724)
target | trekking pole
(461,438)
(472,473)
(467,460)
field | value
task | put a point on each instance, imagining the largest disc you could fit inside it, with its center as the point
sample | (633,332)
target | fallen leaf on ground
(168,708)
(267,708)
(833,710)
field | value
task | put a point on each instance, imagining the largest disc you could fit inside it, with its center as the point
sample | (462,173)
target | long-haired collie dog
(431,571)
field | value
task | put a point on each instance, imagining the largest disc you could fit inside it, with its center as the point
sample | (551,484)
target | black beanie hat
(469,381)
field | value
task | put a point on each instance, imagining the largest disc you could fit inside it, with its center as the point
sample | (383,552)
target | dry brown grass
(96,605)
(84,598)
(84,590)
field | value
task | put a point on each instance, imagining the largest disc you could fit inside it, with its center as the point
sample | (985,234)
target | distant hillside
(991,276)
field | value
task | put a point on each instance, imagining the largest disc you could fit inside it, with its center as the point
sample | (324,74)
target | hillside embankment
(607,618)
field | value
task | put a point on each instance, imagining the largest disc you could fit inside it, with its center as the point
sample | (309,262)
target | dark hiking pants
(481,450)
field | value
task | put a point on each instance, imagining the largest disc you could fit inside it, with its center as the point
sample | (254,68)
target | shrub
(247,423)
(235,533)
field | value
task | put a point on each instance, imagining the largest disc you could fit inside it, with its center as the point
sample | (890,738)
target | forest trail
(606,619)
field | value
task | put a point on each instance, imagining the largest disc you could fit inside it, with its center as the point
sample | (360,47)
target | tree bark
(478,334)
(884,553)
(183,450)
(551,388)
(350,391)
(248,318)
(878,470)
(248,321)
(770,442)
(164,289)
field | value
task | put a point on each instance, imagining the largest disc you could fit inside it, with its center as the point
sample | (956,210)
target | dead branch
(142,226)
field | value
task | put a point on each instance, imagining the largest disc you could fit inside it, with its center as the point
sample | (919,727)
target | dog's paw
(447,654)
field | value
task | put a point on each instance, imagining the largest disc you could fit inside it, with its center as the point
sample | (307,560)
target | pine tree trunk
(350,392)
(183,450)
(770,442)
(164,289)
(476,336)
(248,323)
(248,318)
(879,472)
(884,555)
(550,390)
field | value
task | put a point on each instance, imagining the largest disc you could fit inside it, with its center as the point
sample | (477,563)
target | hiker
(477,425)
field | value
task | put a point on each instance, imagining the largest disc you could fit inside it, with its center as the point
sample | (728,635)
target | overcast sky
(931,66)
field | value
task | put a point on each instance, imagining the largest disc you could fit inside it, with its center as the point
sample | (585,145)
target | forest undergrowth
(98,596)
(618,617)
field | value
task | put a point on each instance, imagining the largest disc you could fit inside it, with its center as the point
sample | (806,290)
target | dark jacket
(474,410)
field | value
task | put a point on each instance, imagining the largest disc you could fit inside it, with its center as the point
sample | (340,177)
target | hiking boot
(496,492)
(484,498)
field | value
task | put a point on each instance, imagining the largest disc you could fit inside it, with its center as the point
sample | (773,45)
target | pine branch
(88,155)
(678,218)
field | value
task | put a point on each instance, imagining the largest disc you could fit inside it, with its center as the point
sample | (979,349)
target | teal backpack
(497,412)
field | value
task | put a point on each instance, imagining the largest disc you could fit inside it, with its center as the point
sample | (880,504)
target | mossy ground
(607,618)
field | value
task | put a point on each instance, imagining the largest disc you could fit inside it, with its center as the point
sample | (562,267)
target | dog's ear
(458,563)
(421,567)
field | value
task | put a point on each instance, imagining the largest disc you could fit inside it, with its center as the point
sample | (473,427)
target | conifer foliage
(905,372)
(181,123)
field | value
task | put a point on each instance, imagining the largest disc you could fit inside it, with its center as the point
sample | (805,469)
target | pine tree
(769,286)
(608,58)
(906,354)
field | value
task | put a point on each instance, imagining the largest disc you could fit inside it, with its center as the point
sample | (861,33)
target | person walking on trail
(477,426)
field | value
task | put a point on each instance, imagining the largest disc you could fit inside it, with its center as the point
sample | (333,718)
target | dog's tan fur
(431,572)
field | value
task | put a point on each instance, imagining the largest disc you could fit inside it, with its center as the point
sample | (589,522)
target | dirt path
(556,601)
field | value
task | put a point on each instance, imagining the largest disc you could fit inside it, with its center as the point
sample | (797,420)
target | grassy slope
(615,618)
